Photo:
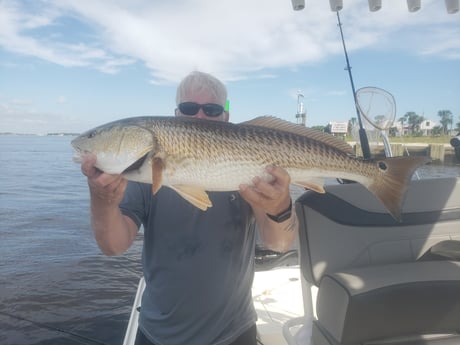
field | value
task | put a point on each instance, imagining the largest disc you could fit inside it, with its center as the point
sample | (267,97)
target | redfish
(194,156)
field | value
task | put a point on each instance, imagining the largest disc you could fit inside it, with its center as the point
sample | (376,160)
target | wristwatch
(282,216)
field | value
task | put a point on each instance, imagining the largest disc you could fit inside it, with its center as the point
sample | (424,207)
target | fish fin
(314,184)
(194,195)
(286,126)
(390,185)
(157,174)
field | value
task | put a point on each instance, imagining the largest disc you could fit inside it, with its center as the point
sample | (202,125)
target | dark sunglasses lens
(189,108)
(212,110)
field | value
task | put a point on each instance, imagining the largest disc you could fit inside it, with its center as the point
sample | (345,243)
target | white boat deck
(277,296)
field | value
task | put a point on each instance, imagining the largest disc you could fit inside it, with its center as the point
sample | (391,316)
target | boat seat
(380,281)
(445,250)
(390,301)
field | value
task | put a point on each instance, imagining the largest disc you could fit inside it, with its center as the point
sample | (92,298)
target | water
(55,285)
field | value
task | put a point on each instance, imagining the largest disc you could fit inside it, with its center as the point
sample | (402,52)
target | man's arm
(272,198)
(113,231)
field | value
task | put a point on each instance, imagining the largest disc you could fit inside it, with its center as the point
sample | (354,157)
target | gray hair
(198,81)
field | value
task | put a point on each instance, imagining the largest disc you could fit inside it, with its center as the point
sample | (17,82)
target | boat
(276,294)
(358,276)
(378,280)
(363,277)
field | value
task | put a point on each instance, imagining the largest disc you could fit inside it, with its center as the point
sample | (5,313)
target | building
(426,127)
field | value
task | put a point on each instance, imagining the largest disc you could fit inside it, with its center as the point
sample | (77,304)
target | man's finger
(281,176)
(87,165)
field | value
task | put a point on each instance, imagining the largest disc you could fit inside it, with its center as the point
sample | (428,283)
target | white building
(426,127)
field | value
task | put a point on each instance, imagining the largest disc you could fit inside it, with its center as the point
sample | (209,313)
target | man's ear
(176,112)
(226,116)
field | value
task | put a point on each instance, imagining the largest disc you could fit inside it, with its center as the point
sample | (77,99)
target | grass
(444,139)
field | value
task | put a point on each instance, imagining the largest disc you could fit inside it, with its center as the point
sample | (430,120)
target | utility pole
(301,115)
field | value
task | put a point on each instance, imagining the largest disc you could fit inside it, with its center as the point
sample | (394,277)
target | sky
(68,66)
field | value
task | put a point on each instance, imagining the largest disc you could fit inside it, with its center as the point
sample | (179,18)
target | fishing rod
(362,132)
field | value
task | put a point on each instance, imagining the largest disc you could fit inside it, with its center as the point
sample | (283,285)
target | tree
(436,131)
(381,120)
(402,120)
(446,119)
(352,123)
(413,120)
(392,131)
(318,128)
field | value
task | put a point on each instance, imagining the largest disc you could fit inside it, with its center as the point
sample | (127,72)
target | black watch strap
(282,216)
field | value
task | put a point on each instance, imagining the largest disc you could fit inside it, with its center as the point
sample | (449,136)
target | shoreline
(443,154)
(353,143)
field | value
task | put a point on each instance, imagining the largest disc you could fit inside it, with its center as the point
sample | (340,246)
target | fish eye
(91,134)
(382,166)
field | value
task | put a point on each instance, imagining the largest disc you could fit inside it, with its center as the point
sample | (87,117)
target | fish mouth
(77,156)
(137,164)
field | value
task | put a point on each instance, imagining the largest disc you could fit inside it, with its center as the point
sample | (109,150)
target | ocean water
(55,285)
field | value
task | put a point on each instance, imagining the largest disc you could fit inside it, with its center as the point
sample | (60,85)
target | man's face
(203,98)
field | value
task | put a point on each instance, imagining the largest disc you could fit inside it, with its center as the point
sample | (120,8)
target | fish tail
(390,185)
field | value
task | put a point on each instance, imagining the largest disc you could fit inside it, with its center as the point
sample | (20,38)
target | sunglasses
(192,108)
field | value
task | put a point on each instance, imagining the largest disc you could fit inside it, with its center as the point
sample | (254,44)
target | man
(198,265)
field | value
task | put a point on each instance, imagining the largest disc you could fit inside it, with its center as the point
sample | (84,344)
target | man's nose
(201,115)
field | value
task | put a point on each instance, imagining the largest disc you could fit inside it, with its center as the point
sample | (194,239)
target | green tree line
(413,121)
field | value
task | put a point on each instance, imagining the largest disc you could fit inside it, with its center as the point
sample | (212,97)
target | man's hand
(114,232)
(271,197)
(104,188)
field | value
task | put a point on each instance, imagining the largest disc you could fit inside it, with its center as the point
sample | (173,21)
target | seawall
(439,153)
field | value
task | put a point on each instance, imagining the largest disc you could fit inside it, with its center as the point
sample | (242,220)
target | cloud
(337,93)
(21,102)
(234,39)
(61,100)
(21,116)
(446,43)
(19,34)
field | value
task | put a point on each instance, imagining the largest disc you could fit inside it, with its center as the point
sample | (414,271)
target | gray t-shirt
(198,266)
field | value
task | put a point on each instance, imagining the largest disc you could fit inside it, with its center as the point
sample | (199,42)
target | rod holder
(375,5)
(452,6)
(413,5)
(336,5)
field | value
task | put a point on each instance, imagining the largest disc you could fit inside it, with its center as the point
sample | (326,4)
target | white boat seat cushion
(372,303)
